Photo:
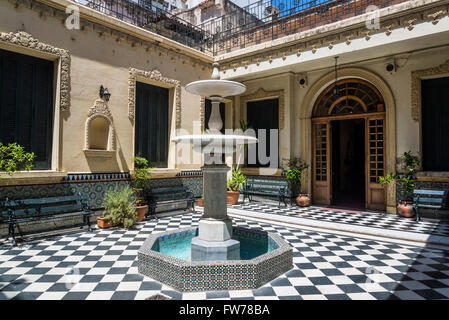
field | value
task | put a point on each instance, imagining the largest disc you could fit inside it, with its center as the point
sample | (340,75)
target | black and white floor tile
(367,219)
(102,265)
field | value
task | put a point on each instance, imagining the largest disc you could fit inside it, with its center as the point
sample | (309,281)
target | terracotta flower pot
(303,200)
(104,223)
(405,209)
(201,202)
(233,197)
(141,210)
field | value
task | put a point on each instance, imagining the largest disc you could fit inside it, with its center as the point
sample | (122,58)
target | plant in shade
(119,207)
(14,158)
(141,179)
(406,176)
(294,171)
(236,181)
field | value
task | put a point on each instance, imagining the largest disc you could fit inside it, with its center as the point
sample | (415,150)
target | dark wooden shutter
(26,104)
(151,124)
(435,124)
(263,115)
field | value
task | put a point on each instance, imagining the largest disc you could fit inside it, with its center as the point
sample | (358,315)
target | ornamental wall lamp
(104,93)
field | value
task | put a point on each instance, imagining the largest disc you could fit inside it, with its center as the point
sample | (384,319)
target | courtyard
(102,264)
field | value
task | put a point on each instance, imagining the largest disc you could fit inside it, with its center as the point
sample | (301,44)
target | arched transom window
(348,96)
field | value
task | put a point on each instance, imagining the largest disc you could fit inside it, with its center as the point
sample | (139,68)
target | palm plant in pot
(139,183)
(118,209)
(406,181)
(293,174)
(234,185)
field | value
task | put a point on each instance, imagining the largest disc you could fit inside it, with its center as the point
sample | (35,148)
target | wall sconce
(104,93)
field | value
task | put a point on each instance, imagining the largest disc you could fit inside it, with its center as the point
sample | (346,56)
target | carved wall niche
(261,94)
(25,40)
(417,75)
(99,130)
(154,75)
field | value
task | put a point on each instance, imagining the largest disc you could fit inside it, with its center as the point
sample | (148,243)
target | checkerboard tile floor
(102,265)
(367,219)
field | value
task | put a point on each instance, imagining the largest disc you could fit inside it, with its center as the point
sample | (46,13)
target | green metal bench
(163,196)
(16,212)
(429,199)
(258,187)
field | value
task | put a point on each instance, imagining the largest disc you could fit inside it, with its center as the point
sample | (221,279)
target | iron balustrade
(151,16)
(256,23)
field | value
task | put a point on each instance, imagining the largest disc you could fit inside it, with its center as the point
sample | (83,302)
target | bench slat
(430,192)
(47,210)
(431,200)
(41,201)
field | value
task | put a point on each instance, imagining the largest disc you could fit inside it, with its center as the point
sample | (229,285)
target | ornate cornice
(100,109)
(261,94)
(417,75)
(154,75)
(329,39)
(25,40)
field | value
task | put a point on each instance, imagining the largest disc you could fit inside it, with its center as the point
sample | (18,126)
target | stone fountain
(215,255)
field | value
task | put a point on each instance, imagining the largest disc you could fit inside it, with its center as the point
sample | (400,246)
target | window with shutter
(151,124)
(435,124)
(26,104)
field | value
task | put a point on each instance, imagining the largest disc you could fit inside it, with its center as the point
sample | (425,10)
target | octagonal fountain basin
(165,257)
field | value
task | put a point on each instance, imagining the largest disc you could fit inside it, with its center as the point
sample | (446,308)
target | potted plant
(201,201)
(140,182)
(118,209)
(406,179)
(234,185)
(294,175)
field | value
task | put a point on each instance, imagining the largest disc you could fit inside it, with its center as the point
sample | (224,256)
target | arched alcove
(100,137)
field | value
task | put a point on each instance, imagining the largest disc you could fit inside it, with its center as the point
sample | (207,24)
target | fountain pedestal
(214,241)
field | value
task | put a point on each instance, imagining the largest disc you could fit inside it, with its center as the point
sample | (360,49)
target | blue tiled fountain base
(272,258)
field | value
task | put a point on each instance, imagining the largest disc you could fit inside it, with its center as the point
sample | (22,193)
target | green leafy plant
(236,181)
(119,207)
(407,175)
(14,158)
(141,179)
(294,170)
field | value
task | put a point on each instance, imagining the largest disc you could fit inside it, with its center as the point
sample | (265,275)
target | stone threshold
(325,226)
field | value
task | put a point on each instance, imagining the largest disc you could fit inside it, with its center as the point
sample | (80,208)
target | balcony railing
(152,17)
(259,22)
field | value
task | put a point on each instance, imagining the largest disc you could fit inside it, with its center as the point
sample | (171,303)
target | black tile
(106,286)
(124,295)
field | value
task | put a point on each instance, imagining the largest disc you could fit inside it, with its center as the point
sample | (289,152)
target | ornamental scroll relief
(25,40)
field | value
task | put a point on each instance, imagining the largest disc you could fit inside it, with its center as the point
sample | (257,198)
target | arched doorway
(348,145)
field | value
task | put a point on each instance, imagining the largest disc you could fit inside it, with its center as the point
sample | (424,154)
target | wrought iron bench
(163,196)
(16,212)
(274,188)
(429,199)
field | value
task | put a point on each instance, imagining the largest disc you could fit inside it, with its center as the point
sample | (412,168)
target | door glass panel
(376,150)
(320,152)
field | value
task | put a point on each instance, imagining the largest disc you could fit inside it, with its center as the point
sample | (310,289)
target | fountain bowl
(215,143)
(215,88)
(165,257)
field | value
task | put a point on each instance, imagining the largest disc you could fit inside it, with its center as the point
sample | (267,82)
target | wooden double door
(348,139)
(348,159)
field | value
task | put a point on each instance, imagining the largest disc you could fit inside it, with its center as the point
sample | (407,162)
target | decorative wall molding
(25,40)
(261,94)
(154,75)
(47,10)
(100,109)
(417,75)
